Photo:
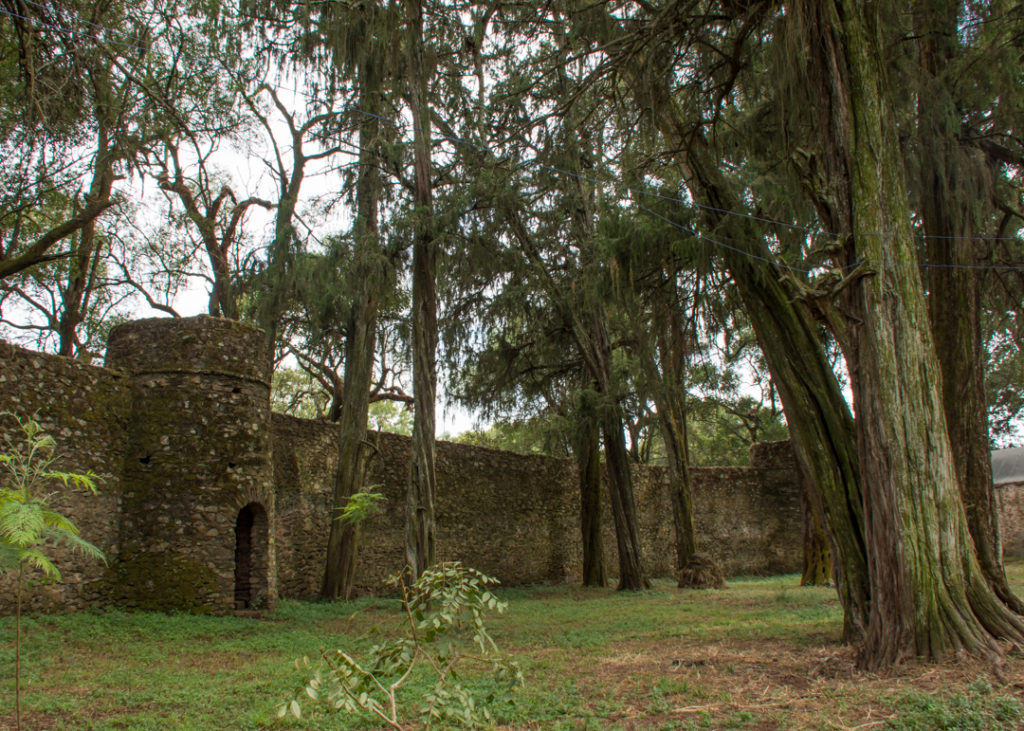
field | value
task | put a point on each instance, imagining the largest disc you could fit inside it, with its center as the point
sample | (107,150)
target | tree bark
(82,263)
(342,541)
(590,329)
(420,528)
(620,488)
(929,594)
(360,345)
(817,558)
(821,426)
(954,300)
(670,399)
(587,450)
(275,282)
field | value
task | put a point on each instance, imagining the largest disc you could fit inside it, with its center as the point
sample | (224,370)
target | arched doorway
(251,549)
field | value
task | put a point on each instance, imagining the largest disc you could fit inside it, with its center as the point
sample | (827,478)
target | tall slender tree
(370,277)
(420,528)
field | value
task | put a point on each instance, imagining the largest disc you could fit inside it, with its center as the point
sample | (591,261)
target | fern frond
(79,545)
(86,481)
(53,519)
(37,559)
(9,557)
(21,524)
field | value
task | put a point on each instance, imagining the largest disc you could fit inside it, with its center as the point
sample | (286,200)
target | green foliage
(361,506)
(543,434)
(722,433)
(979,708)
(392,417)
(28,525)
(294,392)
(444,631)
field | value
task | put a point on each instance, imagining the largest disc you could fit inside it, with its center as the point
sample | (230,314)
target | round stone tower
(197,514)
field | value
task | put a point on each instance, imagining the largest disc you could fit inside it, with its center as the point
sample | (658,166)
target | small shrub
(443,631)
(28,525)
(360,506)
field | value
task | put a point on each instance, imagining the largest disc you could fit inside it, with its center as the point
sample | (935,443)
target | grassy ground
(762,654)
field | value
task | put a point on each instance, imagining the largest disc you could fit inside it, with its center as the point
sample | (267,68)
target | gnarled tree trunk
(821,427)
(929,594)
(620,488)
(950,175)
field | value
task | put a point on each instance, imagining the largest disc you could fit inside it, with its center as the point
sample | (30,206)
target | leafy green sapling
(443,630)
(360,506)
(29,526)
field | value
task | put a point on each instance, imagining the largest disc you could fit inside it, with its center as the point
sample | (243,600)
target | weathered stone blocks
(197,454)
(209,503)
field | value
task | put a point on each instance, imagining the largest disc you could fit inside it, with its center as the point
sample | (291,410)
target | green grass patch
(763,653)
(979,707)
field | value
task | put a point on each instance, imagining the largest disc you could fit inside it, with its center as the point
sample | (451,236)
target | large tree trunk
(620,488)
(588,317)
(343,539)
(673,431)
(820,424)
(955,308)
(591,332)
(419,533)
(947,199)
(587,451)
(360,347)
(817,558)
(670,399)
(929,594)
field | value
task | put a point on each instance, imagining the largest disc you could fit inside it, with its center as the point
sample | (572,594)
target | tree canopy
(640,229)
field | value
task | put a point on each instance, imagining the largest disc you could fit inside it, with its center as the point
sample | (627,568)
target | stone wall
(189,459)
(86,410)
(747,518)
(1010,497)
(305,460)
(516,517)
(505,514)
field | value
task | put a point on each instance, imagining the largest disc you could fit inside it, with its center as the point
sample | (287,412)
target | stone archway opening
(251,557)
